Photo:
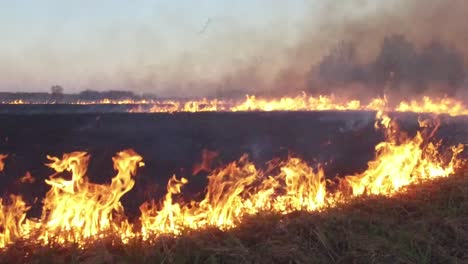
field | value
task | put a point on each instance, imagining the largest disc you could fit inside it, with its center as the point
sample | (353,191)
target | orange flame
(81,209)
(240,189)
(2,161)
(12,216)
(402,161)
(12,220)
(303,102)
(447,106)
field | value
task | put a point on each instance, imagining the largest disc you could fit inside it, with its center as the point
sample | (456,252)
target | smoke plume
(349,48)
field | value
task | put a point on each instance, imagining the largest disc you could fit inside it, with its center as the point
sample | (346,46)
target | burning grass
(304,102)
(427,223)
(301,102)
(288,212)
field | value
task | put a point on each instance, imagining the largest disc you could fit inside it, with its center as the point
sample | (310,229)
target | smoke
(286,52)
(396,47)
(398,69)
(401,49)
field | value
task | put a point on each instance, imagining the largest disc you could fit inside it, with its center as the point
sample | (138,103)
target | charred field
(426,224)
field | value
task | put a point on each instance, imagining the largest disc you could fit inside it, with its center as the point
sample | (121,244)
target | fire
(241,189)
(401,161)
(304,102)
(2,161)
(76,210)
(301,102)
(237,190)
(298,103)
(17,101)
(12,215)
(428,105)
(12,219)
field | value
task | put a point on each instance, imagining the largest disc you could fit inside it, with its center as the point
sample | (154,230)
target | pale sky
(153,46)
(93,44)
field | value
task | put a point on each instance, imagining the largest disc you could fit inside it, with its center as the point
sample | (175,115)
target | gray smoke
(398,69)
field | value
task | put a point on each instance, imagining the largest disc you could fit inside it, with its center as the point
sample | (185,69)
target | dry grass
(427,224)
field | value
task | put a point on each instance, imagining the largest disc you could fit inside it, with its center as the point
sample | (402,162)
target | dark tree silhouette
(339,66)
(396,61)
(398,68)
(57,93)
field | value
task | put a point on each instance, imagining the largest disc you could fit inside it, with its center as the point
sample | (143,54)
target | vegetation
(399,67)
(426,224)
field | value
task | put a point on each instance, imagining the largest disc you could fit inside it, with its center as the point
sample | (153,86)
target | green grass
(426,224)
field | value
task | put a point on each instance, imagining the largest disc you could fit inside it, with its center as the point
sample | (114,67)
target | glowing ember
(2,161)
(75,210)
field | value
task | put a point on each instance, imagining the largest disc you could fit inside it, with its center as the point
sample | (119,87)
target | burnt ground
(173,143)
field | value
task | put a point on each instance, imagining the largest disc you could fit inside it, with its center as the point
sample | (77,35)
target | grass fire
(234,131)
(78,214)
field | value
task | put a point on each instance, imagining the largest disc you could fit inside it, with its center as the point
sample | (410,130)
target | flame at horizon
(302,102)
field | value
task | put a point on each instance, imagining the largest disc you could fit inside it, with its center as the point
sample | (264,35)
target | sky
(194,48)
(144,47)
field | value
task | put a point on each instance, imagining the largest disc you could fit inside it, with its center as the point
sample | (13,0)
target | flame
(2,161)
(304,102)
(301,102)
(12,215)
(12,220)
(17,101)
(402,161)
(241,189)
(298,103)
(76,210)
(237,190)
(447,106)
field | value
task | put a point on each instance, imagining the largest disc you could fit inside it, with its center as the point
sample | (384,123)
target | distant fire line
(302,102)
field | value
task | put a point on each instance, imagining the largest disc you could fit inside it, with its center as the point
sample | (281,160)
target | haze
(195,48)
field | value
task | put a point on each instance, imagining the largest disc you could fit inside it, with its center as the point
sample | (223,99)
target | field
(425,225)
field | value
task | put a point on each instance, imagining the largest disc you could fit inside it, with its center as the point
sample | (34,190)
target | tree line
(398,67)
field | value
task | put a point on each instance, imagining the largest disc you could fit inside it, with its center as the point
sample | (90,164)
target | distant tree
(56,90)
(89,95)
(339,66)
(118,95)
(398,68)
(57,93)
(111,94)
(395,62)
(438,63)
